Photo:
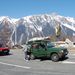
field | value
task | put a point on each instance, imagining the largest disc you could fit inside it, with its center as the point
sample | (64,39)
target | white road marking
(68,62)
(24,67)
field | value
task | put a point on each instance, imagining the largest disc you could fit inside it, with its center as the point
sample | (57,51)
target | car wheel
(32,57)
(54,57)
(7,53)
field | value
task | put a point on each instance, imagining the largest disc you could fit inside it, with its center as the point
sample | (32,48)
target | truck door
(39,50)
(42,50)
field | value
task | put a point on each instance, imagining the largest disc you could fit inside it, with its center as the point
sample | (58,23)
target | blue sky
(21,8)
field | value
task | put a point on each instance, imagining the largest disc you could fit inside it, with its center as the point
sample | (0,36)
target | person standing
(26,53)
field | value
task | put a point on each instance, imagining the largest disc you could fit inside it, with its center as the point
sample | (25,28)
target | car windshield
(50,44)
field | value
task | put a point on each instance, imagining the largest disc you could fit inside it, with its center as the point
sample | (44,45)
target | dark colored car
(45,48)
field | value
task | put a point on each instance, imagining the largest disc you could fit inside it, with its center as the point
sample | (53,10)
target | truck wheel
(54,57)
(32,57)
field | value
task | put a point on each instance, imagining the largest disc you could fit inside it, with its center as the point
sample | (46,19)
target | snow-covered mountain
(20,30)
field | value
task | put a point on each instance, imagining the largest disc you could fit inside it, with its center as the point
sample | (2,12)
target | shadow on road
(44,59)
(64,58)
(3,54)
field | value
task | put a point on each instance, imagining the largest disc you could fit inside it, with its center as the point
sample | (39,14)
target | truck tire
(54,57)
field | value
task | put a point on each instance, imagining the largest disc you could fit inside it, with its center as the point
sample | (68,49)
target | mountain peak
(18,31)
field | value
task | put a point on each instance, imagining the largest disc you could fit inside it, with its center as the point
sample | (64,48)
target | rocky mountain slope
(18,31)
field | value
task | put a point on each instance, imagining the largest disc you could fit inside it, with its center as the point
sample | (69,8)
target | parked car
(4,50)
(45,48)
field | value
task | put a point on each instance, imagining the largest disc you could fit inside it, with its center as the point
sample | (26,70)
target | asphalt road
(14,64)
